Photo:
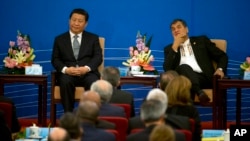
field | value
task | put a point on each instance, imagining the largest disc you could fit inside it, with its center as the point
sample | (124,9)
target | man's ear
(159,85)
(118,84)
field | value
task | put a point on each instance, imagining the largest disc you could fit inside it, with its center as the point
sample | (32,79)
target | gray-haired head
(152,110)
(104,89)
(158,94)
(112,75)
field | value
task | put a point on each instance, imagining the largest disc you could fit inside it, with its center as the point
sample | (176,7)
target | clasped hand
(76,71)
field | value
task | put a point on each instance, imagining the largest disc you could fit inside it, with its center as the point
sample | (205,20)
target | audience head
(92,96)
(166,77)
(157,94)
(162,132)
(88,111)
(58,134)
(112,75)
(72,125)
(152,111)
(178,91)
(104,89)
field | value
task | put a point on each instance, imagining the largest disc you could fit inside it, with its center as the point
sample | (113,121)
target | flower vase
(15,70)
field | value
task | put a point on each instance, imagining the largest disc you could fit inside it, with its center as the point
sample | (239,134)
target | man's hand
(219,72)
(76,71)
(178,39)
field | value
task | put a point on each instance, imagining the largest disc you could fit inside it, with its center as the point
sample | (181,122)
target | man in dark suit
(192,57)
(88,112)
(76,56)
(95,97)
(112,75)
(152,114)
(177,122)
(105,90)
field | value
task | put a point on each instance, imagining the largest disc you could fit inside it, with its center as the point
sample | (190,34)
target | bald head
(91,96)
(58,134)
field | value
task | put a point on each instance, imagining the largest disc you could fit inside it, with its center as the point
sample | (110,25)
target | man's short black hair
(80,11)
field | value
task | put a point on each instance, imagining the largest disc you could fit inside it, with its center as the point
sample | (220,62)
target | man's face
(178,29)
(77,23)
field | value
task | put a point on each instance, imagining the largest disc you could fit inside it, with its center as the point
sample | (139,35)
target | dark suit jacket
(144,135)
(175,121)
(123,97)
(191,112)
(107,109)
(103,124)
(15,123)
(5,133)
(204,51)
(94,134)
(90,53)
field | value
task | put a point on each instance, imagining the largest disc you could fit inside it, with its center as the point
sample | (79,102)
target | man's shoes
(204,99)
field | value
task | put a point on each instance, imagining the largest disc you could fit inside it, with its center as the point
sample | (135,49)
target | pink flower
(248,60)
(12,44)
(10,63)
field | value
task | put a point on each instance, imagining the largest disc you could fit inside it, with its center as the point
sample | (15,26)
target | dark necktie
(76,46)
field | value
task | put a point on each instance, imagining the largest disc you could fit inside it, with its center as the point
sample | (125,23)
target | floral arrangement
(20,53)
(140,55)
(245,66)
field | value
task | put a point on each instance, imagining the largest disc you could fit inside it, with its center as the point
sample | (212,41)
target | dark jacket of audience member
(152,114)
(105,90)
(88,112)
(15,123)
(178,91)
(112,75)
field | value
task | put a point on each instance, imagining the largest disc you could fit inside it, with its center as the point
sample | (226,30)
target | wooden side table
(220,106)
(40,80)
(149,81)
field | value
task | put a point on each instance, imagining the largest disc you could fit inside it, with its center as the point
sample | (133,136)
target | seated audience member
(162,132)
(58,134)
(88,112)
(152,114)
(95,97)
(72,125)
(192,57)
(177,122)
(15,123)
(105,90)
(5,132)
(112,75)
(166,77)
(178,91)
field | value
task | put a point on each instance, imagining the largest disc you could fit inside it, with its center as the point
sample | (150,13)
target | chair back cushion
(121,125)
(126,107)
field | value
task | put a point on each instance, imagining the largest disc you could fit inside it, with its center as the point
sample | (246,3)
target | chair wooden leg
(53,114)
